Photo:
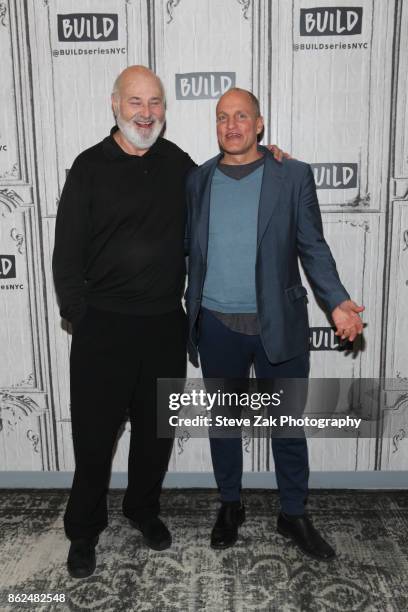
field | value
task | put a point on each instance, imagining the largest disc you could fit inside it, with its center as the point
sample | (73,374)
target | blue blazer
(289,229)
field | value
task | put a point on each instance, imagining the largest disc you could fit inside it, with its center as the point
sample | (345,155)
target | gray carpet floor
(261,573)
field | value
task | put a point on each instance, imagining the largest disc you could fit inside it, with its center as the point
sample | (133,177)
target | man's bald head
(239,125)
(135,74)
(251,97)
(139,107)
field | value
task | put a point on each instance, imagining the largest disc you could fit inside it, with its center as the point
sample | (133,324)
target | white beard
(138,136)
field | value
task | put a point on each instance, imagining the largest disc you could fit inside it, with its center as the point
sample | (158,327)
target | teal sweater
(229,284)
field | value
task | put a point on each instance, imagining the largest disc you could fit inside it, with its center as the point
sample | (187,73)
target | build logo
(324,339)
(203,85)
(335,175)
(7,266)
(331,21)
(87,27)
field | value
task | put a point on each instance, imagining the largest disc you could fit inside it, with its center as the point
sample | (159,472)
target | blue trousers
(228,354)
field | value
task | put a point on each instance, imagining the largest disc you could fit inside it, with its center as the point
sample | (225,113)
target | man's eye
(242,116)
(221,119)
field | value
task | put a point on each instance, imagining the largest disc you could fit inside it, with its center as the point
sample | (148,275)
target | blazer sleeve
(314,252)
(189,197)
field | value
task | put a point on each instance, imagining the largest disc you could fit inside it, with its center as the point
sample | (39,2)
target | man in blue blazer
(250,220)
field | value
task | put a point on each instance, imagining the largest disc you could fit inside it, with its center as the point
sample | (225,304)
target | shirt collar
(114,151)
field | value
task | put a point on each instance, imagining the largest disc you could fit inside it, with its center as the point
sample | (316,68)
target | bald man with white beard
(119,273)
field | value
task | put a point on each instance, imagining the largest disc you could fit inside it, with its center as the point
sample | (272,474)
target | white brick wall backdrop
(333,86)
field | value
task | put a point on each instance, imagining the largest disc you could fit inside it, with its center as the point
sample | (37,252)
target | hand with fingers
(278,153)
(347,320)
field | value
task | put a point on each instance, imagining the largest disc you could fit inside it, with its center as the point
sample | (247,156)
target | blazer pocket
(296,292)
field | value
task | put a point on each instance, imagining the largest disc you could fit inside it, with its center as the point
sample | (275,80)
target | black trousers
(115,362)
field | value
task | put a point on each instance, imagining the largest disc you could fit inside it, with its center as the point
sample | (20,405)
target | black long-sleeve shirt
(120,229)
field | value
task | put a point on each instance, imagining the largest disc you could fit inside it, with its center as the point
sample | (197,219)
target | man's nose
(231,123)
(144,111)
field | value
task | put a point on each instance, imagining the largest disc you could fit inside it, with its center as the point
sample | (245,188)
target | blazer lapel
(270,192)
(204,216)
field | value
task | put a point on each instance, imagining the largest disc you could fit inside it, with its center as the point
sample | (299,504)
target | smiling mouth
(144,126)
(233,135)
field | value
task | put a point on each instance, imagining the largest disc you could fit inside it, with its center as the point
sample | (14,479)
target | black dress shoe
(305,536)
(155,533)
(231,515)
(81,560)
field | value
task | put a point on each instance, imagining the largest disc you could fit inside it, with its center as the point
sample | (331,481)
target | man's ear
(259,125)
(114,103)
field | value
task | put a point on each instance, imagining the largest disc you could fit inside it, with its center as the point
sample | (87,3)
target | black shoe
(155,533)
(81,560)
(231,515)
(305,536)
